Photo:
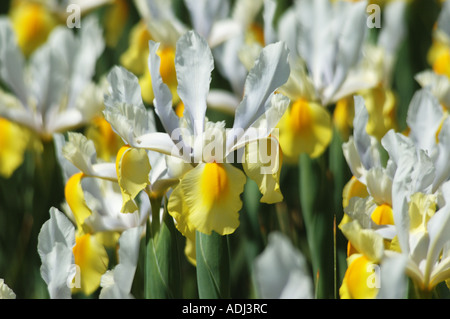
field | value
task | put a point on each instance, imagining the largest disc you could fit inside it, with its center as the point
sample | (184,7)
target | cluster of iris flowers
(224,149)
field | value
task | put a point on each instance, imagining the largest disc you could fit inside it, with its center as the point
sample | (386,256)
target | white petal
(124,272)
(55,244)
(125,110)
(204,13)
(163,97)
(223,31)
(5,291)
(349,44)
(281,271)
(270,7)
(271,71)
(439,85)
(222,100)
(393,281)
(366,145)
(263,126)
(424,118)
(439,228)
(194,64)
(443,22)
(12,62)
(441,162)
(80,152)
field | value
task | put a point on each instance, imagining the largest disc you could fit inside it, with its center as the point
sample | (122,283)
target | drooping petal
(365,241)
(262,163)
(209,197)
(133,168)
(92,260)
(361,280)
(305,128)
(74,195)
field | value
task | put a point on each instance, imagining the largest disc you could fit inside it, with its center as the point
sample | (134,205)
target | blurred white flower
(281,271)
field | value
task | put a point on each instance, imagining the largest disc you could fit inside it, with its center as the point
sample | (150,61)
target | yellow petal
(343,115)
(116,17)
(132,167)
(145,82)
(32,23)
(441,62)
(208,198)
(75,199)
(179,211)
(383,215)
(136,56)
(107,143)
(365,241)
(421,208)
(381,106)
(262,163)
(353,188)
(306,127)
(361,281)
(92,260)
(13,144)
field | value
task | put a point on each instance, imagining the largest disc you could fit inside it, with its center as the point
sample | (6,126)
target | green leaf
(318,213)
(341,175)
(162,269)
(213,266)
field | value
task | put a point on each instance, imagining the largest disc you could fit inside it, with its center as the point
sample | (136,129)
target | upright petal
(125,110)
(271,70)
(163,97)
(194,64)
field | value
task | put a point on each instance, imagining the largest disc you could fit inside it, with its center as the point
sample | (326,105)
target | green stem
(213,266)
